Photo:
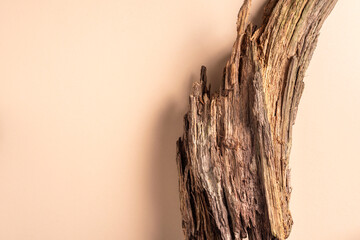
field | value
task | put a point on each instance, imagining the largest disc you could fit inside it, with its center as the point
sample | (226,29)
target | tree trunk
(233,159)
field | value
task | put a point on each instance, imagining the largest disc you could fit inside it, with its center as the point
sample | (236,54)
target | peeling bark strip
(233,159)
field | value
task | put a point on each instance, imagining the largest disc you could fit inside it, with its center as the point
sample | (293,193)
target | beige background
(92,95)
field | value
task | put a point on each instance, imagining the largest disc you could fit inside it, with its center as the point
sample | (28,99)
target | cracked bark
(233,159)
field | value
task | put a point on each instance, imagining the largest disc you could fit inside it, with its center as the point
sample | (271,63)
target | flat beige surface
(92,95)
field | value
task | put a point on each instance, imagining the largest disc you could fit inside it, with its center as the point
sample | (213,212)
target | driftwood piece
(233,159)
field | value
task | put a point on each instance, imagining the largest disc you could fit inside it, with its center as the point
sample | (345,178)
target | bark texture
(233,159)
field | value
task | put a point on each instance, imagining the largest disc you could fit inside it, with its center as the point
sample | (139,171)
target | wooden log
(233,159)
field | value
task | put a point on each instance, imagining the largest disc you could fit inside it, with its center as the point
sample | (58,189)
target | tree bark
(233,159)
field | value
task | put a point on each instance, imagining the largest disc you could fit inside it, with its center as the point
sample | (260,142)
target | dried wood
(233,159)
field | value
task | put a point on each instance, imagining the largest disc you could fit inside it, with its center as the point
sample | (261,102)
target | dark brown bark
(233,157)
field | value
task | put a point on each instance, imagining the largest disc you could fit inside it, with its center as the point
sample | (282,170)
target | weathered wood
(233,159)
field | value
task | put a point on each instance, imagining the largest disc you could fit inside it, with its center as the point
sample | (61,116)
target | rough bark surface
(233,159)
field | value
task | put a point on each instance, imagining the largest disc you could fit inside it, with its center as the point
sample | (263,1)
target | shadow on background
(164,175)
